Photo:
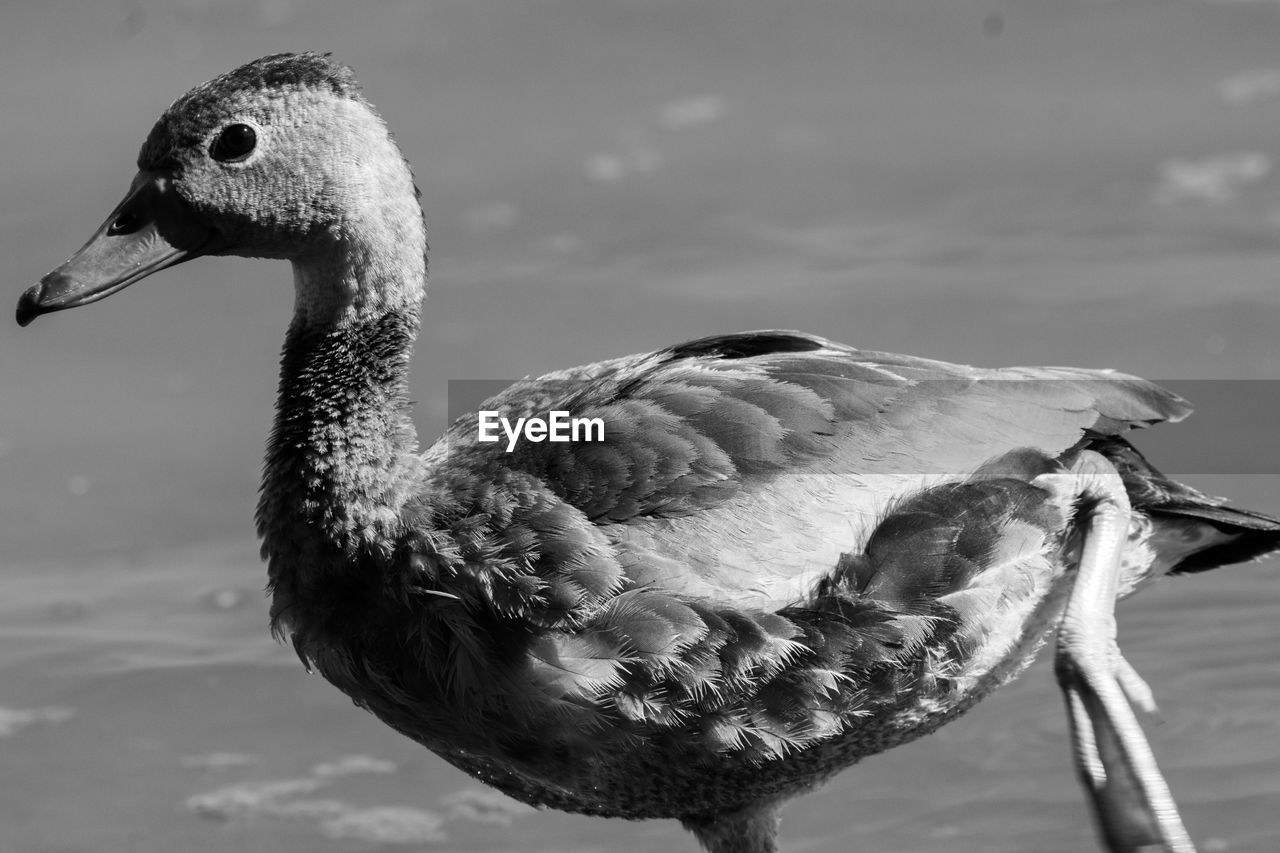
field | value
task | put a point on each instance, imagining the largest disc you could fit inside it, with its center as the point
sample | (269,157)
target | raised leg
(1131,801)
(751,830)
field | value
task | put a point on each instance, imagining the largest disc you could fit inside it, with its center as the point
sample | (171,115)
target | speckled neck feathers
(342,455)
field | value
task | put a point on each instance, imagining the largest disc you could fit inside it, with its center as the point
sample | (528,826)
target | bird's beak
(153,228)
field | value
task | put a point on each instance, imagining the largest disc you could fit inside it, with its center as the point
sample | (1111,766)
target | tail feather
(1249,535)
(1253,536)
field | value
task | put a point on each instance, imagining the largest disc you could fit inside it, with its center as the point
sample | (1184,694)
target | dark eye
(234,143)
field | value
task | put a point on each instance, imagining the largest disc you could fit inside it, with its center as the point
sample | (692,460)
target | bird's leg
(1131,801)
(753,829)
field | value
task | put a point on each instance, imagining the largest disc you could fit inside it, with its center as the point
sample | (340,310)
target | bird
(766,556)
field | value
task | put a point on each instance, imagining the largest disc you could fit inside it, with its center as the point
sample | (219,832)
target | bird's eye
(235,143)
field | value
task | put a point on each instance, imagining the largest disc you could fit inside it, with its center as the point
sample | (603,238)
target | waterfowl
(783,553)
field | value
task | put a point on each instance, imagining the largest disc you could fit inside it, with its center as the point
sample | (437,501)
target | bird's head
(280,158)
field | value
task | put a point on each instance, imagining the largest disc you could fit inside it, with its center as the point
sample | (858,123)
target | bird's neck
(341,459)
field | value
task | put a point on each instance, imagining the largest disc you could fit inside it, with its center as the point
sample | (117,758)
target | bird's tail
(1206,531)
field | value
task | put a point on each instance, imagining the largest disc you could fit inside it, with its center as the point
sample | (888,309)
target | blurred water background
(982,181)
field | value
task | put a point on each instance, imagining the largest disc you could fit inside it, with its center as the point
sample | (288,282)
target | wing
(776,534)
(740,467)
